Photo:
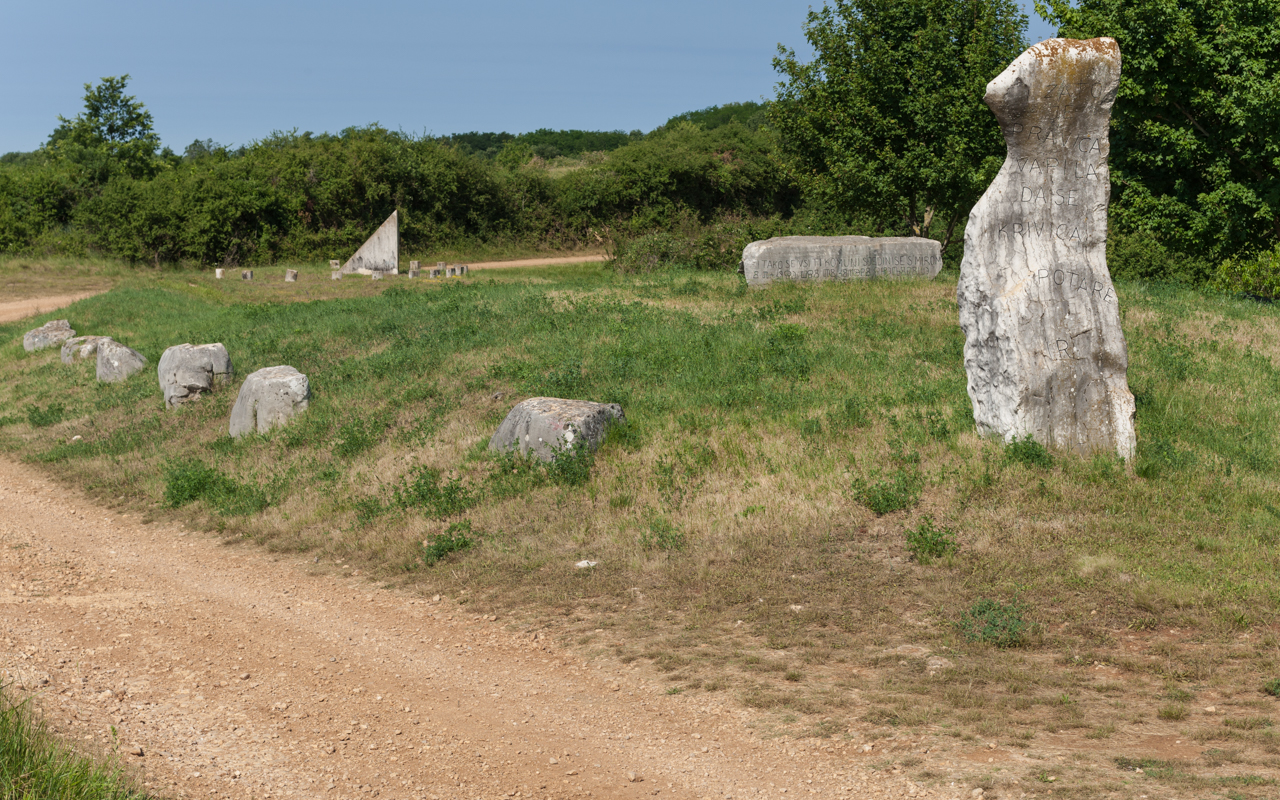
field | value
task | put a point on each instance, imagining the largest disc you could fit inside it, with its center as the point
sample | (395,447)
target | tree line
(883,131)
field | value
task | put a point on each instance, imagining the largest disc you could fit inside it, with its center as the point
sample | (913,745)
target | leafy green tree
(887,123)
(1195,132)
(113,135)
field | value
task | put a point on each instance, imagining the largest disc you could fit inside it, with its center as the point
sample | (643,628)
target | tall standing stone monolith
(1043,347)
(380,252)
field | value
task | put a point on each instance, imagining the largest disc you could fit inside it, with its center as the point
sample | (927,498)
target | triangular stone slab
(380,252)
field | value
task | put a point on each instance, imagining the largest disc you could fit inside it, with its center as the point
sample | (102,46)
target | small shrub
(1248,723)
(993,622)
(457,538)
(786,353)
(422,489)
(572,465)
(1159,456)
(1029,452)
(51,414)
(367,510)
(356,437)
(853,414)
(626,434)
(188,481)
(1258,276)
(928,541)
(1272,687)
(662,535)
(1172,712)
(900,490)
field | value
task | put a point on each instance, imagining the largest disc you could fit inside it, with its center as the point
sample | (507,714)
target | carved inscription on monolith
(1043,347)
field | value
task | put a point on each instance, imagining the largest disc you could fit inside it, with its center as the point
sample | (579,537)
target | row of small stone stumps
(440,270)
(268,398)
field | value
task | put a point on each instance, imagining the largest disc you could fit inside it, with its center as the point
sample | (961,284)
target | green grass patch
(34,763)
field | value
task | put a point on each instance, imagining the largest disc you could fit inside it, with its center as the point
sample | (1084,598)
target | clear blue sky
(235,70)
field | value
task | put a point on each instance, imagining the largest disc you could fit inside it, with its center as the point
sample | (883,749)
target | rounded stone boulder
(79,348)
(268,398)
(51,333)
(187,371)
(544,426)
(116,362)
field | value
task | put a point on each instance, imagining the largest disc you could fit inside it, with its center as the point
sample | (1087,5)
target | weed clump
(899,490)
(356,437)
(663,535)
(458,537)
(188,481)
(993,622)
(423,489)
(1272,687)
(929,541)
(1029,452)
(51,414)
(572,465)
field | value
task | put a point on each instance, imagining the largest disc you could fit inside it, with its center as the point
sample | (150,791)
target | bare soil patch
(21,309)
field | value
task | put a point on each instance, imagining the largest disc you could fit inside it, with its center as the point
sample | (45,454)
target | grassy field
(797,494)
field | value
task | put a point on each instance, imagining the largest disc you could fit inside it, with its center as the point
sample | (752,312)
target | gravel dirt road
(12,310)
(226,671)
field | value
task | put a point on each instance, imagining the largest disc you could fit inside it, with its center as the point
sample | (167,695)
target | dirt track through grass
(242,674)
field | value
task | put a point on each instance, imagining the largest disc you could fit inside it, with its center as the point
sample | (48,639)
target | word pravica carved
(1044,351)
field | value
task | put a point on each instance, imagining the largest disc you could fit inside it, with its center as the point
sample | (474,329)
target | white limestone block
(1044,351)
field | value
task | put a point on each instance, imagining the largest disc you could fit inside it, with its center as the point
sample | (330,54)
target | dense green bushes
(299,196)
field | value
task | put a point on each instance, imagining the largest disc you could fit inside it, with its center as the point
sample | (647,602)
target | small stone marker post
(462,269)
(335,270)
(453,271)
(435,272)
(413,269)
(246,275)
(1043,347)
(219,273)
(290,276)
(839,258)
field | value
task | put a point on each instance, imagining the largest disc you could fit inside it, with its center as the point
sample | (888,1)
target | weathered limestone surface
(268,398)
(78,348)
(543,426)
(839,258)
(380,252)
(1043,346)
(116,362)
(189,370)
(53,332)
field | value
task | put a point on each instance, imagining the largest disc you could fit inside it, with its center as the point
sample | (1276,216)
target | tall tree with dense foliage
(887,123)
(114,135)
(1195,142)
